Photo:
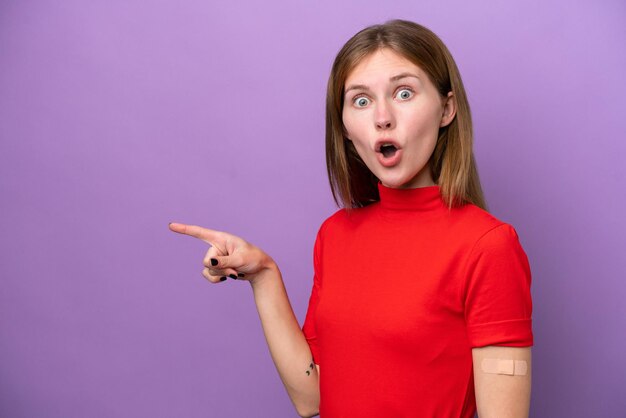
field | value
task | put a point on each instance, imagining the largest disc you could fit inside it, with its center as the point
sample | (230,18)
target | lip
(388,162)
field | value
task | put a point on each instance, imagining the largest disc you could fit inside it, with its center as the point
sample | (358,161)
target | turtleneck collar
(420,199)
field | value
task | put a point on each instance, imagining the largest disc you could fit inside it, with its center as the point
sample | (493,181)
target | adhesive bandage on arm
(502,366)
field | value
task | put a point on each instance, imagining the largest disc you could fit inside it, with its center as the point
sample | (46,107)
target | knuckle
(215,272)
(211,278)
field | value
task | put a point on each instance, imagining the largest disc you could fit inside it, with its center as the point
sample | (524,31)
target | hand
(229,255)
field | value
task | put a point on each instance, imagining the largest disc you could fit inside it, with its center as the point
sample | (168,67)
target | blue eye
(405,93)
(361,101)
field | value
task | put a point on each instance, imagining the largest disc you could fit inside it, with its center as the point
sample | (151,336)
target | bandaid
(500,366)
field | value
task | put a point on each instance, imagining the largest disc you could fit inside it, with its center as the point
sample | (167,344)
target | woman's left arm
(502,377)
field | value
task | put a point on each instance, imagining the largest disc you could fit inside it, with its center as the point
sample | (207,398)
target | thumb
(233,261)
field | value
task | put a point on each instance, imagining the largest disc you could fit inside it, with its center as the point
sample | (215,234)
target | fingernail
(232,276)
(214,262)
(222,278)
(241,275)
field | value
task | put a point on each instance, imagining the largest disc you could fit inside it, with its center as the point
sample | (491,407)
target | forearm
(288,347)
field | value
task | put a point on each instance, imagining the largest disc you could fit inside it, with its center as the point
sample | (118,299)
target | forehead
(382,63)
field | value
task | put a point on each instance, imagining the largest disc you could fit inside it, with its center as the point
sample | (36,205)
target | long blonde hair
(452,163)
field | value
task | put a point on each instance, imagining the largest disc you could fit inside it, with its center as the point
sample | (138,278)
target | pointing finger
(209,236)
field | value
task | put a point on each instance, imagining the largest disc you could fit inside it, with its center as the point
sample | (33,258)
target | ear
(449,110)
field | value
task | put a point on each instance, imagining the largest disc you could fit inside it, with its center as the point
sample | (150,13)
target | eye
(360,101)
(405,93)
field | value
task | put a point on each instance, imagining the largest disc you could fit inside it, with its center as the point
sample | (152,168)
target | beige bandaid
(501,366)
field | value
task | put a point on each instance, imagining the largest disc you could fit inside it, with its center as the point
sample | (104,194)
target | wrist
(268,264)
(268,273)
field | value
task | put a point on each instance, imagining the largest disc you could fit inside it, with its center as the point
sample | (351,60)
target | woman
(421,302)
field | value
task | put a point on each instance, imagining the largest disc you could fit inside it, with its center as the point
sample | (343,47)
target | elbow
(307,410)
(307,403)
(308,413)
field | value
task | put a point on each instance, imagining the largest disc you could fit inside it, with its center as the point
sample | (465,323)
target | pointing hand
(228,256)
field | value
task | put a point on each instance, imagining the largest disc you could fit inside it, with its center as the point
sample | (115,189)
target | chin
(395,182)
(403,181)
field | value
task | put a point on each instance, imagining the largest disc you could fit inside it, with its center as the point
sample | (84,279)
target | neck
(417,199)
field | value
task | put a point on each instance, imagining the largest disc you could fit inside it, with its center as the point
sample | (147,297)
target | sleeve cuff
(312,341)
(511,333)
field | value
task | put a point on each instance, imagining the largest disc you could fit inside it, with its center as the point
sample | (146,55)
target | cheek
(353,128)
(421,123)
(347,124)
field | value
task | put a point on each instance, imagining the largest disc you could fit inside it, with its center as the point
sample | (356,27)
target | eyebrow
(394,78)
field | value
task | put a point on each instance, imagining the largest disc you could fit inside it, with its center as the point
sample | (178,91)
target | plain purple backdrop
(117,117)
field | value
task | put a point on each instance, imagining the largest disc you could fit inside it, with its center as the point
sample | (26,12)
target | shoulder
(326,228)
(346,219)
(335,220)
(483,228)
(491,241)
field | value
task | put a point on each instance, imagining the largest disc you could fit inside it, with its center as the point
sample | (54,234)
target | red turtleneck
(403,290)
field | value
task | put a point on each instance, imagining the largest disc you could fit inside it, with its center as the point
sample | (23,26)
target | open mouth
(388,150)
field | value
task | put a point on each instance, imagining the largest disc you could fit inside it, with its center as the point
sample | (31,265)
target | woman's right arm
(286,342)
(232,256)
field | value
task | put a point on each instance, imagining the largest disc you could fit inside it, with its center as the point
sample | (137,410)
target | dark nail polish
(241,275)
(232,276)
(222,279)
(214,262)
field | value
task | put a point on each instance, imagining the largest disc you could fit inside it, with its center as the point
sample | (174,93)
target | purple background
(117,117)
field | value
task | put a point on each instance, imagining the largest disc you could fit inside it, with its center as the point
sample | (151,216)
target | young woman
(421,303)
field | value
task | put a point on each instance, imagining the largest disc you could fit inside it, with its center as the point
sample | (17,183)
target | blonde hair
(452,163)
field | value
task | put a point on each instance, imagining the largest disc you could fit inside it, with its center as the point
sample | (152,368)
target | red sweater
(403,290)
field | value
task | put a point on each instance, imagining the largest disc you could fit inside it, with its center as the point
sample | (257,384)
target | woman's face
(392,114)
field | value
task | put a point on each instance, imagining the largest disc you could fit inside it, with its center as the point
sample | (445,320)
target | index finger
(209,236)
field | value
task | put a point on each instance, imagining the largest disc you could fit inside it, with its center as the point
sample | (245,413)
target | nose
(384,116)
